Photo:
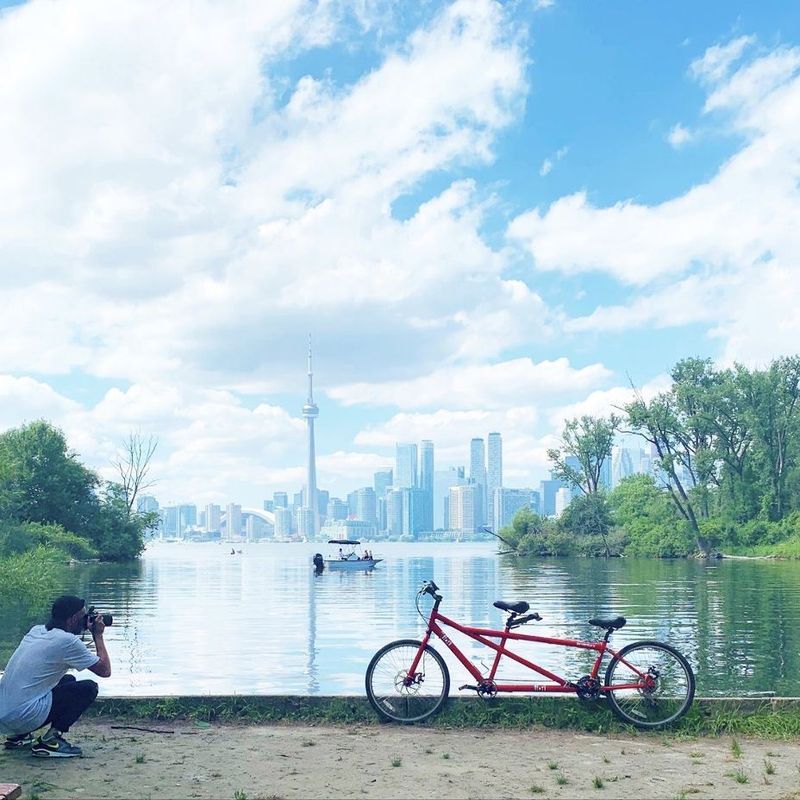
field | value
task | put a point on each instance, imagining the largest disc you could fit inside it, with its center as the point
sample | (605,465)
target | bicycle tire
(391,698)
(665,702)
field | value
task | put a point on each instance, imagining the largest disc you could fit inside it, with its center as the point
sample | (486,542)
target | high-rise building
(426,483)
(170,516)
(605,475)
(563,499)
(297,501)
(465,502)
(146,503)
(443,479)
(283,523)
(413,511)
(352,503)
(536,501)
(575,464)
(281,499)
(405,473)
(233,521)
(382,480)
(477,474)
(394,511)
(547,492)
(365,505)
(506,503)
(305,518)
(310,413)
(337,509)
(213,517)
(494,467)
(187,518)
(268,505)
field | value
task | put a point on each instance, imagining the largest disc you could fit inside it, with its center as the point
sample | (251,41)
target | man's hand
(99,626)
(103,666)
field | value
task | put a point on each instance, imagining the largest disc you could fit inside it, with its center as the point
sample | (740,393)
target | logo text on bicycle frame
(444,638)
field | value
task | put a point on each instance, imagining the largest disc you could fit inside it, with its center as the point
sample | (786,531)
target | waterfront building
(477,474)
(352,503)
(575,463)
(213,520)
(442,481)
(465,503)
(380,513)
(323,495)
(506,503)
(305,521)
(187,518)
(426,483)
(366,506)
(494,468)
(394,511)
(357,529)
(381,481)
(233,521)
(280,499)
(283,523)
(337,509)
(563,499)
(405,473)
(170,517)
(268,505)
(310,413)
(547,491)
(413,512)
(146,503)
(536,501)
(297,501)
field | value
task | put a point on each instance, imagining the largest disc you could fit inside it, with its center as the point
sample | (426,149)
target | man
(35,689)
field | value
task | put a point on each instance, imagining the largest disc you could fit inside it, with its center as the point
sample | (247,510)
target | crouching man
(35,689)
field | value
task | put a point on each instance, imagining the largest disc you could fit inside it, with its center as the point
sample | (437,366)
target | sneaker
(18,742)
(55,746)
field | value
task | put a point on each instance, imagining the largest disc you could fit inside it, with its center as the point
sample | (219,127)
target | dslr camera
(91,615)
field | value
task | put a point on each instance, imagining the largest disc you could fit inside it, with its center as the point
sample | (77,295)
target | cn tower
(311,412)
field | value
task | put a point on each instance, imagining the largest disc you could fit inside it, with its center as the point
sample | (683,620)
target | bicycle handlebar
(428,587)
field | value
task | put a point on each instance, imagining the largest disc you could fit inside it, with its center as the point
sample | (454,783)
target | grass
(561,780)
(769,767)
(597,782)
(427,751)
(239,795)
(740,776)
(396,762)
(735,718)
(445,756)
(140,758)
(736,749)
(536,789)
(552,765)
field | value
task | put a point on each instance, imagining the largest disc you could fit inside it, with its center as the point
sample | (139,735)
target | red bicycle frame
(436,620)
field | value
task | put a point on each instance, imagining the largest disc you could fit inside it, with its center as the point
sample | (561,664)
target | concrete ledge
(10,791)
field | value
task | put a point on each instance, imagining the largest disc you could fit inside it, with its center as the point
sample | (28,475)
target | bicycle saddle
(609,624)
(520,607)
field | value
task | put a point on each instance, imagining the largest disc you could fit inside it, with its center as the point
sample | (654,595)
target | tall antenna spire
(310,527)
(310,374)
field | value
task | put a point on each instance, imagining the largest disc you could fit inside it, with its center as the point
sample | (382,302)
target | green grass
(536,789)
(741,719)
(561,780)
(139,758)
(396,762)
(239,795)
(552,765)
(597,782)
(736,749)
(445,756)
(769,767)
(740,776)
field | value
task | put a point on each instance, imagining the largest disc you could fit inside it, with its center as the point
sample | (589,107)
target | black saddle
(520,607)
(609,624)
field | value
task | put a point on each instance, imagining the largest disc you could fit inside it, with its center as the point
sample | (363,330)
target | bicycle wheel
(662,696)
(398,699)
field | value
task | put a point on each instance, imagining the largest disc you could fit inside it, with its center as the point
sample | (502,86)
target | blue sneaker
(18,742)
(54,745)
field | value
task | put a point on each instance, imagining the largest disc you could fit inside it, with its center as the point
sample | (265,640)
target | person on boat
(233,552)
(342,555)
(35,689)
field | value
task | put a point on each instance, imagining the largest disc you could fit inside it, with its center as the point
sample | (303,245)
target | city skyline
(489,216)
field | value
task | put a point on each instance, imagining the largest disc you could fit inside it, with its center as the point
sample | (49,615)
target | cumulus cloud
(679,136)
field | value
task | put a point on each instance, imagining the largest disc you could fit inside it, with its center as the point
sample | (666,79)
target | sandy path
(393,762)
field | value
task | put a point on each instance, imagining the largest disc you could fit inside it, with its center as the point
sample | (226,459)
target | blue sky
(488,216)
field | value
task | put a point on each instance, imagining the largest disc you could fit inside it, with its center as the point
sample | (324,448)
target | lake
(194,619)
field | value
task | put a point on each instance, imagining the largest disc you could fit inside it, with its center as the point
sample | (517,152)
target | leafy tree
(589,440)
(588,515)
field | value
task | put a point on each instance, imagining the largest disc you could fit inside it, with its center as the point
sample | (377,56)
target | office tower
(352,503)
(536,501)
(297,502)
(381,481)
(563,499)
(443,479)
(323,495)
(310,413)
(380,513)
(494,469)
(305,518)
(405,474)
(365,505)
(465,503)
(281,499)
(605,475)
(171,517)
(477,474)
(394,511)
(337,509)
(575,463)
(233,521)
(547,492)
(146,503)
(413,514)
(251,528)
(268,505)
(213,517)
(187,518)
(506,503)
(426,483)
(283,523)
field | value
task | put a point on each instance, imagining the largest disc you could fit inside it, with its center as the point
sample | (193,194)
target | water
(193,619)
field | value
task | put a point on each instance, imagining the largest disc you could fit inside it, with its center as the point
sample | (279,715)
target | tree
(589,441)
(588,515)
(133,465)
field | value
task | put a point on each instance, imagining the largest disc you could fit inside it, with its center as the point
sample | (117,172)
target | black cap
(65,606)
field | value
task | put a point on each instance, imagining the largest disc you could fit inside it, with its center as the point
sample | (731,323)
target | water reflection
(193,619)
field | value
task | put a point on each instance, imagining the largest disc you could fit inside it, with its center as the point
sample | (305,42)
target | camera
(91,615)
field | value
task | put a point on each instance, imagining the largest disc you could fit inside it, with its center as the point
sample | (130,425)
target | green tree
(589,440)
(588,515)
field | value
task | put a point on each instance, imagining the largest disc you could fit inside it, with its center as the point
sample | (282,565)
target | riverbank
(183,760)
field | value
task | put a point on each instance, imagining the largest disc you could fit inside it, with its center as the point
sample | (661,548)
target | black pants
(71,698)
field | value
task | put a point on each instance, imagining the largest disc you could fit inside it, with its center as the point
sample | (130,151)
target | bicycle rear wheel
(396,697)
(662,696)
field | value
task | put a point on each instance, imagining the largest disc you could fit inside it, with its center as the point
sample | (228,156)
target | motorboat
(348,557)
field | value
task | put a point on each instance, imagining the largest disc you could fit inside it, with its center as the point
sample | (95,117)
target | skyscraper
(477,473)
(494,472)
(381,481)
(405,474)
(426,483)
(442,481)
(311,412)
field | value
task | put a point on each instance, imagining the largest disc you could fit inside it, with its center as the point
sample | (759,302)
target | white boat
(348,557)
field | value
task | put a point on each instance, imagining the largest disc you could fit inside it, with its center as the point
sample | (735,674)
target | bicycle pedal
(467,686)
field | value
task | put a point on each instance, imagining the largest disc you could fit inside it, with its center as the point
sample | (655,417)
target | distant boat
(348,557)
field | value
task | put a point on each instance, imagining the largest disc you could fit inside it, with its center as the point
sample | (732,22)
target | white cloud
(549,163)
(546,168)
(714,65)
(489,386)
(679,136)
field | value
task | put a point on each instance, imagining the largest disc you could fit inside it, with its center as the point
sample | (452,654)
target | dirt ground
(236,762)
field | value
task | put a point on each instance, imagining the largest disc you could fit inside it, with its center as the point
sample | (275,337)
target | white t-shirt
(37,665)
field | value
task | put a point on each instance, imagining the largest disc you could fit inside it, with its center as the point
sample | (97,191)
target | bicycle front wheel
(400,698)
(655,684)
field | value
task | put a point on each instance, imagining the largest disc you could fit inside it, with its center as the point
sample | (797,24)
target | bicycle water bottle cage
(519,607)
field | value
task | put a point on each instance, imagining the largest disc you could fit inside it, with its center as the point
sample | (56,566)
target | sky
(488,216)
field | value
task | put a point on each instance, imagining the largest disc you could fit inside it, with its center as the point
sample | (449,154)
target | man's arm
(103,666)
